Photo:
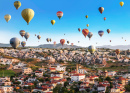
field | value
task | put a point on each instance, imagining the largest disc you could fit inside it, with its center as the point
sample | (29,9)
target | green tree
(108,79)
(66,84)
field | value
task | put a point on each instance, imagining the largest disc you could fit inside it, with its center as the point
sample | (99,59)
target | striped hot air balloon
(100,33)
(59,14)
(85,32)
(62,41)
(23,43)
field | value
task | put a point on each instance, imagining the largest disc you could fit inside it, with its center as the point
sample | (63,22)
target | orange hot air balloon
(104,18)
(62,41)
(85,32)
(54,42)
(72,44)
(117,51)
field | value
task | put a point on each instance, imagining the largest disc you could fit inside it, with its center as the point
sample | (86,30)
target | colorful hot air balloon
(59,14)
(100,33)
(79,29)
(52,22)
(26,35)
(38,36)
(104,18)
(27,15)
(68,42)
(117,51)
(22,33)
(54,42)
(23,43)
(72,44)
(15,42)
(85,32)
(62,41)
(108,31)
(50,39)
(87,25)
(47,39)
(90,34)
(101,9)
(121,4)
(17,4)
(91,49)
(86,16)
(7,17)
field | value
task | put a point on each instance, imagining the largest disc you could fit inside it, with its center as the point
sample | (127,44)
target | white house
(77,77)
(101,88)
(7,89)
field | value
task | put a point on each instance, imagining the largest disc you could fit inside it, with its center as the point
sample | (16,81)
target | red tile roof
(79,74)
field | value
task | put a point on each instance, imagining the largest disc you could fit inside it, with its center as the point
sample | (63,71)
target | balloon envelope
(26,35)
(22,33)
(62,41)
(27,15)
(91,49)
(85,32)
(15,42)
(17,4)
(7,17)
(90,34)
(59,14)
(100,33)
(23,43)
(101,9)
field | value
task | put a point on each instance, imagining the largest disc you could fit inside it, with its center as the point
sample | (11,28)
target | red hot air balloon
(110,40)
(54,42)
(59,14)
(104,18)
(85,32)
(62,41)
(72,44)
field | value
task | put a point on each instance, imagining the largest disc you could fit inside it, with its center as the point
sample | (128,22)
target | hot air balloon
(104,18)
(87,25)
(86,16)
(108,31)
(59,14)
(50,39)
(122,37)
(52,22)
(27,15)
(47,39)
(35,35)
(68,42)
(72,44)
(79,29)
(38,36)
(110,40)
(62,41)
(54,42)
(125,40)
(121,4)
(22,33)
(15,42)
(7,17)
(90,34)
(78,41)
(85,32)
(91,49)
(100,33)
(17,4)
(64,34)
(101,9)
(23,43)
(26,35)
(117,51)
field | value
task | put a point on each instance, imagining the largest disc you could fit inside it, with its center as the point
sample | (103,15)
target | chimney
(77,68)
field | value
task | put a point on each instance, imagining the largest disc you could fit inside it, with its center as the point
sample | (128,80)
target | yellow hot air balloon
(87,25)
(27,15)
(86,16)
(17,4)
(52,22)
(7,17)
(121,4)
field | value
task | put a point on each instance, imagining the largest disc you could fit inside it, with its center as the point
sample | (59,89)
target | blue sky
(118,20)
